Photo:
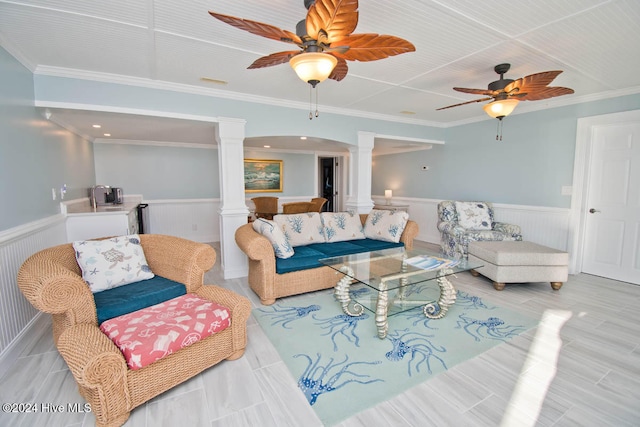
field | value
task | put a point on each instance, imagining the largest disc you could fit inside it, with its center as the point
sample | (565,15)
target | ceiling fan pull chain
(499,131)
(317,113)
(310,114)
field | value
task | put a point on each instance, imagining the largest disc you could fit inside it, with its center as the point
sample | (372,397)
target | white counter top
(80,207)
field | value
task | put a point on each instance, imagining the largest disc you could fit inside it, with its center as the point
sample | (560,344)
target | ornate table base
(432,309)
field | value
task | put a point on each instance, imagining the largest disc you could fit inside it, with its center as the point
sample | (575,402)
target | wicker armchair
(297,207)
(52,282)
(317,204)
(266,207)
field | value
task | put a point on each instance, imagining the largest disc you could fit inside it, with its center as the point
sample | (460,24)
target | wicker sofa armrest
(99,368)
(509,229)
(253,244)
(410,232)
(178,259)
(51,281)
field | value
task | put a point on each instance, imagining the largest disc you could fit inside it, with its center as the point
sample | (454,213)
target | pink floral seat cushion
(152,333)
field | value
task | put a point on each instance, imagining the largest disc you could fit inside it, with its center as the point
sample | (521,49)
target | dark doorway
(327,182)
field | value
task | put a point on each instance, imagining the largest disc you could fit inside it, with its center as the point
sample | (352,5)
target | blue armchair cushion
(135,296)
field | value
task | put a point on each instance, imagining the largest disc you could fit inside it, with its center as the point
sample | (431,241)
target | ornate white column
(233,210)
(360,159)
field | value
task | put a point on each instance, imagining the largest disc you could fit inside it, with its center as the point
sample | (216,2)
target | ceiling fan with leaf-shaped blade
(506,93)
(325,35)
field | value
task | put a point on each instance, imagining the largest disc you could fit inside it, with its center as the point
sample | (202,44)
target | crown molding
(154,143)
(224,94)
(17,54)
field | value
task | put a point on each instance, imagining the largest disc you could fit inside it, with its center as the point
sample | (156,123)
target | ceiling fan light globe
(313,66)
(500,108)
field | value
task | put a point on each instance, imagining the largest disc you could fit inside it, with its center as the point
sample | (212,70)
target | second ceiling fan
(506,93)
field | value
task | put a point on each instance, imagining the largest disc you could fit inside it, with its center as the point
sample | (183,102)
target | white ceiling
(458,42)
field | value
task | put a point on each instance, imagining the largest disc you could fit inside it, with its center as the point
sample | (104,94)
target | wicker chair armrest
(53,288)
(91,356)
(178,259)
(254,245)
(240,310)
(510,229)
(240,306)
(99,368)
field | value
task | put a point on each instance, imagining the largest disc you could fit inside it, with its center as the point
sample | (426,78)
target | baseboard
(33,331)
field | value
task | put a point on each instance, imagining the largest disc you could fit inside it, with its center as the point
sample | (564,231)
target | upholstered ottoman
(519,262)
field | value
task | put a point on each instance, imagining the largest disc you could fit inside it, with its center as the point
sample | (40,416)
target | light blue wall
(35,154)
(528,167)
(158,172)
(262,119)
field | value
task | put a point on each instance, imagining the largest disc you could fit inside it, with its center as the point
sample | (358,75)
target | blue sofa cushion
(135,296)
(307,257)
(304,257)
(376,245)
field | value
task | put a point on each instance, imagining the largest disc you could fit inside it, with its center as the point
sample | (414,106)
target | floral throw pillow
(110,263)
(473,215)
(341,226)
(385,225)
(276,237)
(301,229)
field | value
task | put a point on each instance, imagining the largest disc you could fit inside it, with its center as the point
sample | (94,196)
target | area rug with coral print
(341,365)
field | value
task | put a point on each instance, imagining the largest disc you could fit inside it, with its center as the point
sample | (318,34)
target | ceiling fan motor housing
(499,85)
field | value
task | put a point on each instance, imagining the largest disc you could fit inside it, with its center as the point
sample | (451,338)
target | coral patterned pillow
(110,263)
(276,237)
(473,215)
(385,225)
(341,226)
(152,333)
(301,229)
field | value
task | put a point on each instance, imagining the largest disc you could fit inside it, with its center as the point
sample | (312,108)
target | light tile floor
(587,375)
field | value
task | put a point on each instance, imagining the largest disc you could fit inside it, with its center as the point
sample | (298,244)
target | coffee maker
(101,195)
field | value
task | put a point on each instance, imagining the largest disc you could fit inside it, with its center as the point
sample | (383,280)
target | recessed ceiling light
(97,126)
(407,112)
(107,134)
(303,137)
(215,81)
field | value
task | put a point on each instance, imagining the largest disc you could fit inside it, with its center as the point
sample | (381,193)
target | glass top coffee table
(400,279)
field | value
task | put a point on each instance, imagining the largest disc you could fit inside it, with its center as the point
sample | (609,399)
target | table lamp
(387,195)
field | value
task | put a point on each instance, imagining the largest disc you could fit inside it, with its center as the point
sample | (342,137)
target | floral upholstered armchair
(462,222)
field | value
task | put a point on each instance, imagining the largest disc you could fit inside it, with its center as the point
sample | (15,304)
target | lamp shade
(500,108)
(388,194)
(313,67)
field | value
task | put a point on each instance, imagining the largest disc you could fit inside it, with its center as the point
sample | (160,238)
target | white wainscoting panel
(16,245)
(543,225)
(193,219)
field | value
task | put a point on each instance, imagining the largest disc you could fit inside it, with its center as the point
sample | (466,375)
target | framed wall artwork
(262,176)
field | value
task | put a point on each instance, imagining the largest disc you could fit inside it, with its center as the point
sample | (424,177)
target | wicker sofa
(270,285)
(52,282)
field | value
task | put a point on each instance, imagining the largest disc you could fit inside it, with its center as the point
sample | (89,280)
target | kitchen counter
(86,222)
(86,208)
